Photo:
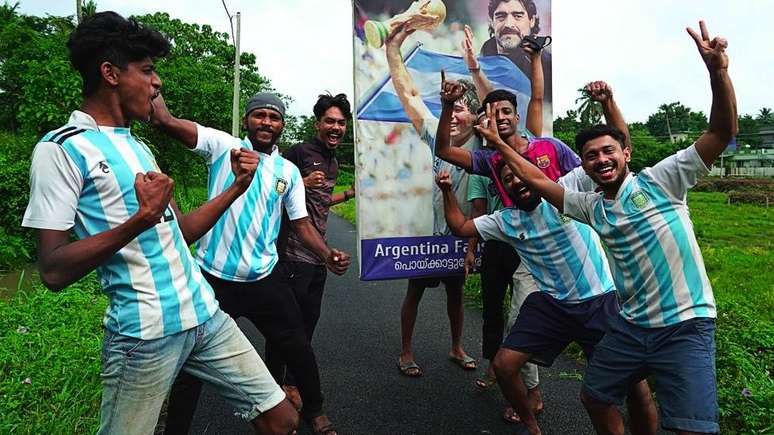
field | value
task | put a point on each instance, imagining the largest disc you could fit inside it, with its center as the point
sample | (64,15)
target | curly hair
(109,37)
(326,101)
(529,6)
(500,95)
(470,97)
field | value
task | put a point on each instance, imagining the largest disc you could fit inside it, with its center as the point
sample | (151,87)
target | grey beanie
(265,100)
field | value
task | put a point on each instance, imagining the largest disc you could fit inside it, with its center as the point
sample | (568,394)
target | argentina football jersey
(564,256)
(241,246)
(657,265)
(83,178)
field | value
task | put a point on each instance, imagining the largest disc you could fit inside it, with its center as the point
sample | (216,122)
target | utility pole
(235,102)
(78,11)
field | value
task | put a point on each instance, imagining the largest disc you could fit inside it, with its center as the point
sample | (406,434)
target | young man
(239,254)
(666,326)
(319,168)
(460,119)
(575,298)
(94,177)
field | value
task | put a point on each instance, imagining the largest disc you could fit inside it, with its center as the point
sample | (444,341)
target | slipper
(466,362)
(328,429)
(511,416)
(485,382)
(410,369)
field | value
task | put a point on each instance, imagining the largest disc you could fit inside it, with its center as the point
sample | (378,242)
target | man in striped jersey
(239,254)
(575,300)
(94,177)
(666,326)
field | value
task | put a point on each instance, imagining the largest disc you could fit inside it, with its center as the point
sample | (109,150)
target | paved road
(357,343)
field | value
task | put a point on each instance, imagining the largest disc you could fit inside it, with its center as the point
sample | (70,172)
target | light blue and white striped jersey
(657,266)
(82,177)
(241,246)
(564,256)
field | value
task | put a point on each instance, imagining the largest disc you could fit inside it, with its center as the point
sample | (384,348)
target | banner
(400,48)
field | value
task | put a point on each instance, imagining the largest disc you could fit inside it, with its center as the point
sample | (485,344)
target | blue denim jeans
(137,374)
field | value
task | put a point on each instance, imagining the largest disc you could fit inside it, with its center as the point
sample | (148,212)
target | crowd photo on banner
(456,172)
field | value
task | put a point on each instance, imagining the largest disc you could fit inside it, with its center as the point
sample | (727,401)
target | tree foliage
(675,118)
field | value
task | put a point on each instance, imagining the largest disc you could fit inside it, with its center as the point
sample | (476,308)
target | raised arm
(723,116)
(180,129)
(409,95)
(459,225)
(62,262)
(451,91)
(480,80)
(197,222)
(520,166)
(602,92)
(534,121)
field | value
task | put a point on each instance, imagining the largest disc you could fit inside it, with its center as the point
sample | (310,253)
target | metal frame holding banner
(401,227)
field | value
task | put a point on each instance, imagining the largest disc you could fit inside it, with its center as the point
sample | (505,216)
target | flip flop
(466,362)
(409,369)
(511,416)
(485,382)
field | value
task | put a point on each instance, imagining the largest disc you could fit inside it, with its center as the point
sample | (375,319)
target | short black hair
(500,95)
(529,6)
(499,166)
(596,131)
(109,37)
(326,101)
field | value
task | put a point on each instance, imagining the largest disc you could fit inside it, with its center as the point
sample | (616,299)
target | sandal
(466,362)
(409,369)
(485,382)
(328,429)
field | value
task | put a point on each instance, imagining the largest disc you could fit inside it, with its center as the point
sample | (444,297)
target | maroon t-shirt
(310,157)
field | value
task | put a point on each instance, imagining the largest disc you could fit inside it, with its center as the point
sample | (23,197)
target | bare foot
(535,398)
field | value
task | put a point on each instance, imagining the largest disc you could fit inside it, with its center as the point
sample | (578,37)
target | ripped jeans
(138,374)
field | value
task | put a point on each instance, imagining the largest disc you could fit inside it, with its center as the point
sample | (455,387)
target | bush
(16,243)
(715,184)
(750,197)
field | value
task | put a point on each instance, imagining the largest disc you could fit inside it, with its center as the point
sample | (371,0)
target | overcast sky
(639,47)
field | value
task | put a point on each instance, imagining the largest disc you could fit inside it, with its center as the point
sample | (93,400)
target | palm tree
(589,111)
(765,116)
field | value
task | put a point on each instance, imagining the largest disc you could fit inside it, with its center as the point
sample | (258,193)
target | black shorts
(435,281)
(546,326)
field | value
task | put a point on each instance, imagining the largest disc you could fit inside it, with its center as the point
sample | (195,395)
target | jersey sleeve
(55,189)
(480,161)
(489,226)
(580,205)
(295,198)
(428,132)
(678,172)
(578,181)
(212,143)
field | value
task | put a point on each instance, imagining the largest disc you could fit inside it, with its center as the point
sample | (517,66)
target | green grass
(346,209)
(50,346)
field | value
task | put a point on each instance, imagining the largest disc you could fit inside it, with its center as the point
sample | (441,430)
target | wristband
(476,69)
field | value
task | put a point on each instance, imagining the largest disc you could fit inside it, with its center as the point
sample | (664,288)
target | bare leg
(456,313)
(408,317)
(643,418)
(280,420)
(507,364)
(605,417)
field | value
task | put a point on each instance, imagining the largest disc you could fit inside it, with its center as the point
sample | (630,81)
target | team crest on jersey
(543,161)
(565,219)
(281,185)
(640,200)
